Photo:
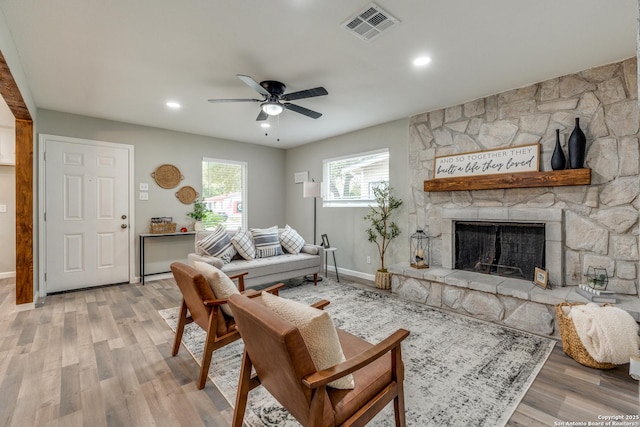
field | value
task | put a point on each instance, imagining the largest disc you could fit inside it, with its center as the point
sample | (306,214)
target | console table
(145,236)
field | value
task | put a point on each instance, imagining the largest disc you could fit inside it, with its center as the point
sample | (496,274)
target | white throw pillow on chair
(221,285)
(318,333)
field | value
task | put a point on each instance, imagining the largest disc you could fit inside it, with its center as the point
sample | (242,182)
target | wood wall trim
(24,183)
(515,180)
(24,211)
(10,92)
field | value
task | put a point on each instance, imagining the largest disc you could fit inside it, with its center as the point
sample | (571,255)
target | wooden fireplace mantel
(516,180)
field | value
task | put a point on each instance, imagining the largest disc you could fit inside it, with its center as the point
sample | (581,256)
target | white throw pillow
(318,333)
(291,241)
(243,242)
(266,241)
(220,284)
(218,244)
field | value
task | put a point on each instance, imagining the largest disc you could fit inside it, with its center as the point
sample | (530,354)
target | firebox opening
(503,249)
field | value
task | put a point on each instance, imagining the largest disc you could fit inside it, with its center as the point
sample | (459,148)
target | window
(224,192)
(350,180)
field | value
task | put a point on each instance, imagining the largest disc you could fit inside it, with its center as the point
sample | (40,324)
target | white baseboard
(7,274)
(25,307)
(153,277)
(358,274)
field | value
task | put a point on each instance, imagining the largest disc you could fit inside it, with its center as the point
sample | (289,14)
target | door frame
(42,235)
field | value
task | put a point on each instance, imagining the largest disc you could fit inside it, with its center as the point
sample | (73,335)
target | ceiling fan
(273,96)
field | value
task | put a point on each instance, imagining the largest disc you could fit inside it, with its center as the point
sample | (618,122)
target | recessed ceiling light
(421,60)
(172,104)
(265,125)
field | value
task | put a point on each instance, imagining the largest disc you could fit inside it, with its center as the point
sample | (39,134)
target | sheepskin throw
(609,334)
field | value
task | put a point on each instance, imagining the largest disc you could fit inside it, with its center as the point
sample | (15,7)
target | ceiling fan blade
(254,85)
(236,100)
(308,93)
(302,110)
(262,116)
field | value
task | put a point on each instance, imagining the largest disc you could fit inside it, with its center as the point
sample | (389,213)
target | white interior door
(87,214)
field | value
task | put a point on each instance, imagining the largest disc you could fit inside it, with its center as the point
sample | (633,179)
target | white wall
(154,147)
(8,221)
(345,226)
(8,199)
(7,252)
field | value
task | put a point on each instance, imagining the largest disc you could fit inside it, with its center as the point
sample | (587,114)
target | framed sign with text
(522,158)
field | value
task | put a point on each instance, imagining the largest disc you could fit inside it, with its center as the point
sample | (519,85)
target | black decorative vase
(558,160)
(577,145)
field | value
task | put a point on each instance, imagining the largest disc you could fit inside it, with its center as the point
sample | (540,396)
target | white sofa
(310,261)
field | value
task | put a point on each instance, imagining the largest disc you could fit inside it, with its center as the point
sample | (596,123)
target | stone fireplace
(585,225)
(501,220)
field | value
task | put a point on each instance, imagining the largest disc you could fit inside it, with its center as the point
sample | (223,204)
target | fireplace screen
(504,249)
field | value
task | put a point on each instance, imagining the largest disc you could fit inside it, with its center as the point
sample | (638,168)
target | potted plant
(200,212)
(383,229)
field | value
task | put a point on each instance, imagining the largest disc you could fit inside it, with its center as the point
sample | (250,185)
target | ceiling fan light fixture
(272,108)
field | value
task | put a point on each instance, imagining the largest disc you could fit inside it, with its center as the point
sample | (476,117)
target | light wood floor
(102,357)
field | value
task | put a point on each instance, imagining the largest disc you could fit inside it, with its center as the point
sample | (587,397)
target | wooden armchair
(275,349)
(204,309)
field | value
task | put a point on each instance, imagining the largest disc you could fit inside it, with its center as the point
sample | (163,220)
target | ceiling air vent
(370,22)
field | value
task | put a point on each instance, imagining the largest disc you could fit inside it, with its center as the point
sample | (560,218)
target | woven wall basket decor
(187,194)
(167,176)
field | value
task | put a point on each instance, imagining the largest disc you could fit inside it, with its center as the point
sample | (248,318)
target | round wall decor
(167,176)
(187,195)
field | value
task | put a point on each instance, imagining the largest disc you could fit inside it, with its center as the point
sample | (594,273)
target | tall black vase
(577,145)
(558,160)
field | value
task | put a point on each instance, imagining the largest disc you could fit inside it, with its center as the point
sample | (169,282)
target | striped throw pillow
(218,244)
(266,241)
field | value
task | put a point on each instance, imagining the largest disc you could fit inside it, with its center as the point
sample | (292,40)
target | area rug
(459,371)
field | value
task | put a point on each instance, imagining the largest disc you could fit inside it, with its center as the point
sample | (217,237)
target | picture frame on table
(541,277)
(325,241)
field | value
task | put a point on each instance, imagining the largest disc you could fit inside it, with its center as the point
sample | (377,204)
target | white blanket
(609,334)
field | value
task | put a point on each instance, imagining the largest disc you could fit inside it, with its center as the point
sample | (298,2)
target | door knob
(123,226)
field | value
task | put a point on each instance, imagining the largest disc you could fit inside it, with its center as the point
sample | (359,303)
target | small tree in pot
(383,229)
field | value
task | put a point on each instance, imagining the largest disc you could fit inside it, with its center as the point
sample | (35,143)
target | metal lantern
(419,255)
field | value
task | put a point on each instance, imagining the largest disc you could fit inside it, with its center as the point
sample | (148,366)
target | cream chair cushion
(318,333)
(220,284)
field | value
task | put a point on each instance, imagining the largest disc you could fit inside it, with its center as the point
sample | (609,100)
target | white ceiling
(123,59)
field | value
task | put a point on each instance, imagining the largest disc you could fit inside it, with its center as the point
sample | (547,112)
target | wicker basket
(571,343)
(383,280)
(162,228)
(167,176)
